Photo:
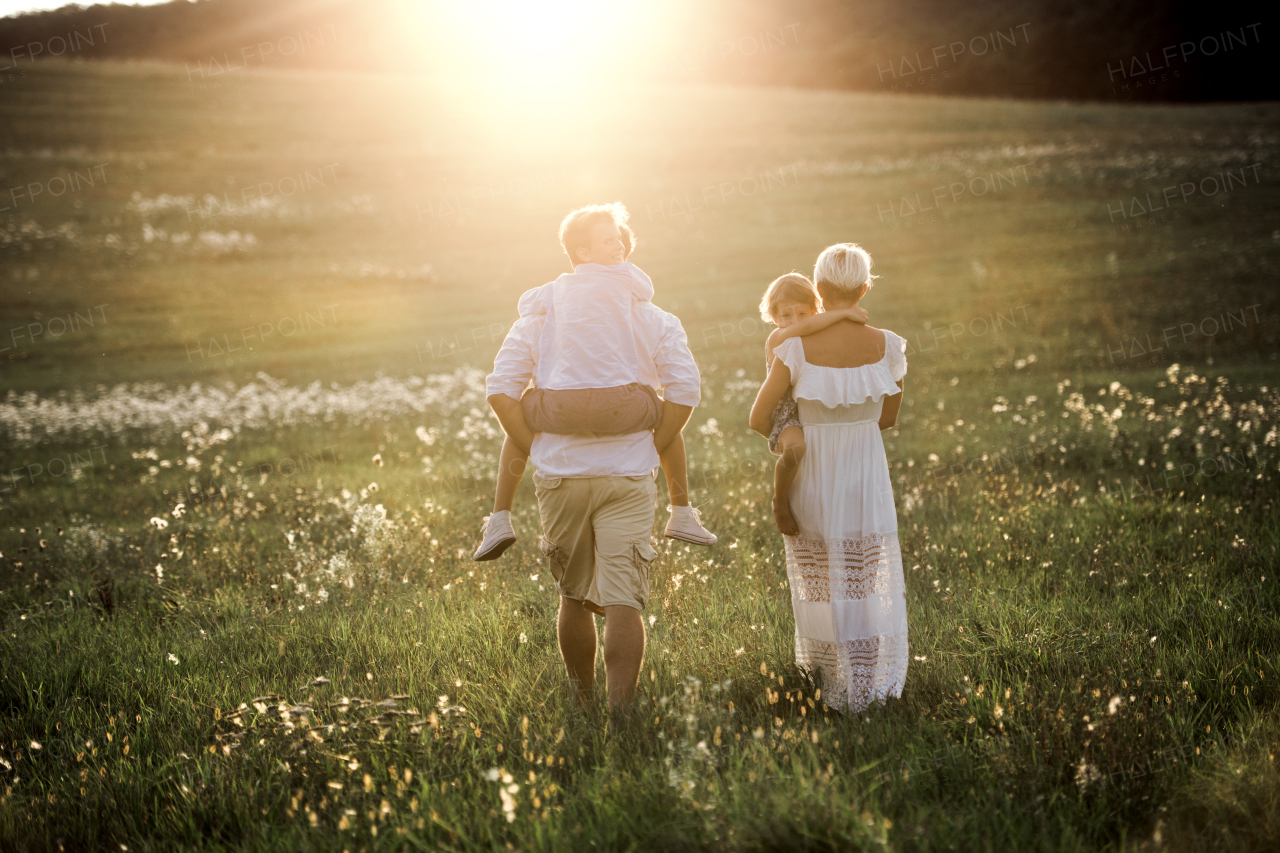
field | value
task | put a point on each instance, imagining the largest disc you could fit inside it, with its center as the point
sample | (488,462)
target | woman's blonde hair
(845,267)
(792,287)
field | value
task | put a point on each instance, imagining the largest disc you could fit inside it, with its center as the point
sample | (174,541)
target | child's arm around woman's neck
(809,325)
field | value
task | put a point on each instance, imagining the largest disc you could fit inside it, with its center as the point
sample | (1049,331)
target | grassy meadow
(246,453)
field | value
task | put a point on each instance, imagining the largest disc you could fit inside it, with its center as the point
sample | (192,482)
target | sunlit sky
(521,59)
(13,7)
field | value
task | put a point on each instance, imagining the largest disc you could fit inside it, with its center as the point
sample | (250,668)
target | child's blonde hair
(575,229)
(792,287)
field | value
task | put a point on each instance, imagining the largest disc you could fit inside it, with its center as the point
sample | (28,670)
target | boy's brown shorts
(619,410)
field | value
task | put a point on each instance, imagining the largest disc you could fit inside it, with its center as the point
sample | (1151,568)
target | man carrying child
(596,492)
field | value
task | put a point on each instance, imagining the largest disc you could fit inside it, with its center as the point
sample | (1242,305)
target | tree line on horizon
(1123,50)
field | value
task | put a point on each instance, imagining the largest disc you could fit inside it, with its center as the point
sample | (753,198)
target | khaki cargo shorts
(596,537)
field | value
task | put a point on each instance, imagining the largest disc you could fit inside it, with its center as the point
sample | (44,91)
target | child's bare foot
(783,518)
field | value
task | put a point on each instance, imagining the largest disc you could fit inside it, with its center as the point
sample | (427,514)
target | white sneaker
(498,536)
(685,525)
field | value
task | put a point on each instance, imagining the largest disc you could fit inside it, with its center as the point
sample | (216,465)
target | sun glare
(544,51)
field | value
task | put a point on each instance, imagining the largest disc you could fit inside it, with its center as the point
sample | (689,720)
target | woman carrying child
(836,509)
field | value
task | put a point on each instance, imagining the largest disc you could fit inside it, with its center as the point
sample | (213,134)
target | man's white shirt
(663,361)
(588,341)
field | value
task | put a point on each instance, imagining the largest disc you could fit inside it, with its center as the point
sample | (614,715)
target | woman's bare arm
(771,392)
(889,411)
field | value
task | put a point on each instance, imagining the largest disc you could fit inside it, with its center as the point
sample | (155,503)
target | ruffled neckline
(839,386)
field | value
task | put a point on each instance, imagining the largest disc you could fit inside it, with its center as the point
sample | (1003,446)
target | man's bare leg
(576,631)
(623,653)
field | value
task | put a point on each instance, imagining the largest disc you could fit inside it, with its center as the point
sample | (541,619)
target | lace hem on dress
(856,673)
(839,569)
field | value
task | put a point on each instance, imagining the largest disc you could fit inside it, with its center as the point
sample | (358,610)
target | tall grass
(317,662)
(237,608)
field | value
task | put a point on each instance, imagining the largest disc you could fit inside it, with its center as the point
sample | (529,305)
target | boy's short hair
(792,287)
(845,267)
(575,230)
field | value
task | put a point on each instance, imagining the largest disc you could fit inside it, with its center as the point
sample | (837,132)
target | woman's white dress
(845,566)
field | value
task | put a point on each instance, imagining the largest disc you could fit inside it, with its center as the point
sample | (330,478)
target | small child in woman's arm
(791,302)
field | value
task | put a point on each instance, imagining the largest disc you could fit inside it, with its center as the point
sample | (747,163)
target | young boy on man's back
(594,384)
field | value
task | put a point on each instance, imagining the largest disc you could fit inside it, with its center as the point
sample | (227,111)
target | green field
(244,446)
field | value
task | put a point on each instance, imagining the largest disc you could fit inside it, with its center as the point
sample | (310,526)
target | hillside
(1125,50)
